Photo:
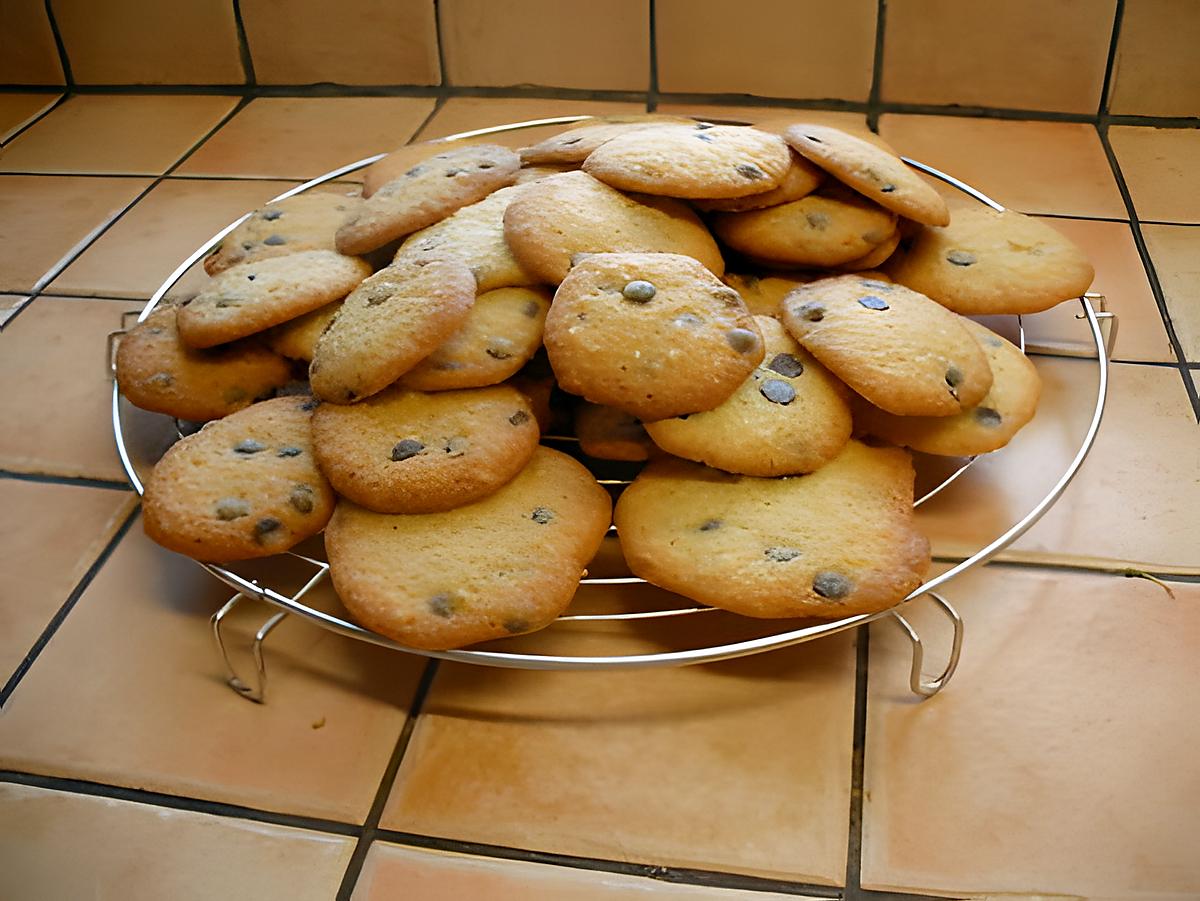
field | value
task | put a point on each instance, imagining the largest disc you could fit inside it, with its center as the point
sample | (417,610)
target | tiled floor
(1057,762)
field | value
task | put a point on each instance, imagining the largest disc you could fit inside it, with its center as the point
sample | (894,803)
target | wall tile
(1156,71)
(28,54)
(1162,169)
(459,114)
(1175,251)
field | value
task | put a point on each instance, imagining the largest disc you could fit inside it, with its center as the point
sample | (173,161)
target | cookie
(986,262)
(536,381)
(399,161)
(244,486)
(790,416)
(764,294)
(895,347)
(410,452)
(1008,406)
(306,221)
(837,542)
(502,331)
(391,322)
(870,170)
(474,236)
(814,231)
(560,218)
(536,173)
(575,144)
(611,434)
(427,193)
(505,565)
(800,180)
(875,258)
(653,334)
(156,371)
(297,338)
(252,297)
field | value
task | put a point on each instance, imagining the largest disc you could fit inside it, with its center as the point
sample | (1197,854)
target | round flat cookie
(562,217)
(536,173)
(800,180)
(573,146)
(409,452)
(837,542)
(306,221)
(653,334)
(474,236)
(501,333)
(699,160)
(1008,406)
(813,231)
(391,322)
(611,434)
(297,338)
(764,294)
(875,258)
(986,262)
(156,371)
(505,565)
(399,161)
(790,416)
(252,297)
(244,486)
(427,193)
(536,381)
(895,347)
(871,170)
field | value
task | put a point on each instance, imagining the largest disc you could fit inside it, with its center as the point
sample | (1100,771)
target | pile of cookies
(441,319)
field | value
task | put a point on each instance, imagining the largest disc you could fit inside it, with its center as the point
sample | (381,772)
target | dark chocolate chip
(888,188)
(496,354)
(275,240)
(831,585)
(750,171)
(814,139)
(351,395)
(875,285)
(415,170)
(541,515)
(406,448)
(704,126)
(224,302)
(289,451)
(161,380)
(246,245)
(871,302)
(781,554)
(777,391)
(266,526)
(813,311)
(441,604)
(710,525)
(452,172)
(250,277)
(516,626)
(309,405)
(232,508)
(567,142)
(961,258)
(707,139)
(786,364)
(272,215)
(457,446)
(742,340)
(302,498)
(487,165)
(639,291)
(954,378)
(532,309)
(987,416)
(248,446)
(818,220)
(682,417)
(519,418)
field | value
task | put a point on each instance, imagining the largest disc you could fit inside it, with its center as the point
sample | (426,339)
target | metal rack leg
(257,691)
(927,688)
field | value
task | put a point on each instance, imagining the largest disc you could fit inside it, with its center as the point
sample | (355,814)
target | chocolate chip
(266,526)
(246,245)
(639,291)
(406,448)
(567,142)
(704,126)
(777,391)
(250,278)
(682,417)
(954,378)
(781,554)
(875,285)
(813,311)
(961,258)
(541,515)
(871,302)
(302,498)
(289,451)
(457,446)
(818,220)
(710,525)
(497,354)
(486,165)
(223,302)
(742,340)
(452,172)
(786,364)
(749,170)
(309,405)
(988,417)
(532,309)
(232,508)
(888,188)
(161,379)
(351,395)
(154,330)
(707,139)
(831,585)
(248,446)
(415,170)
(516,626)
(272,215)
(441,604)
(814,139)
(275,240)
(688,319)
(519,418)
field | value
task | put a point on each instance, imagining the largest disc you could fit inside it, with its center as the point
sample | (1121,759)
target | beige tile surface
(135,42)
(49,536)
(92,133)
(601,46)
(772,48)
(28,54)
(1134,498)
(119,849)
(393,871)
(303,137)
(853,122)
(154,712)
(17,110)
(1156,71)
(43,218)
(1058,762)
(1159,165)
(1023,54)
(366,42)
(1175,251)
(460,114)
(741,766)
(56,416)
(1034,167)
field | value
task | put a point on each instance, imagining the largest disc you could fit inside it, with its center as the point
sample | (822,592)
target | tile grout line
(370,826)
(857,759)
(62,98)
(63,59)
(48,478)
(67,606)
(439,43)
(877,67)
(652,93)
(244,53)
(1113,41)
(438,103)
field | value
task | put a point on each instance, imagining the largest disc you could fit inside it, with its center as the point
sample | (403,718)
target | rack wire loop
(927,688)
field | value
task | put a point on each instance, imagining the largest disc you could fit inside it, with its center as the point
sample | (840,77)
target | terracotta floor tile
(1121,278)
(303,137)
(119,849)
(1134,498)
(696,766)
(1160,168)
(49,536)
(17,110)
(154,712)
(1034,167)
(417,874)
(91,133)
(10,305)
(460,114)
(852,122)
(43,218)
(1060,761)
(1175,251)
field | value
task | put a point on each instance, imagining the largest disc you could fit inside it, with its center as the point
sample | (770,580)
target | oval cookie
(611,434)
(764,294)
(297,338)
(575,144)
(800,180)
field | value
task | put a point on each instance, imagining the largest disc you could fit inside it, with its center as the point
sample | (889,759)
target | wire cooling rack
(310,570)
